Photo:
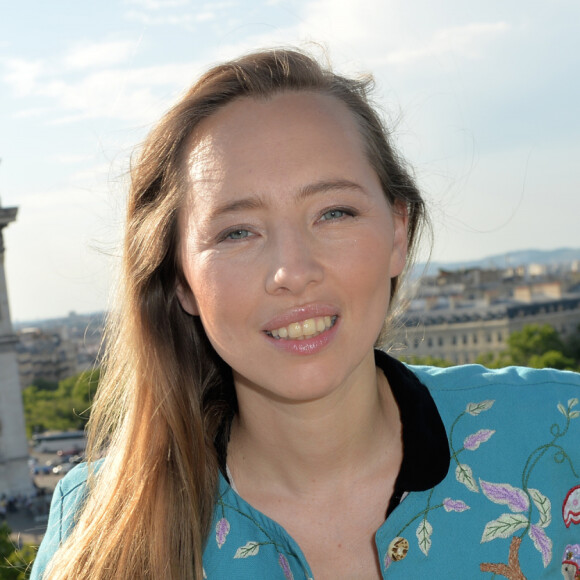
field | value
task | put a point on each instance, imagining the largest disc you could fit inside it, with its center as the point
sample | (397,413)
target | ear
(400,239)
(186,299)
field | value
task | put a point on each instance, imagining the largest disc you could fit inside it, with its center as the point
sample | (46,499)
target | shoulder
(67,499)
(470,376)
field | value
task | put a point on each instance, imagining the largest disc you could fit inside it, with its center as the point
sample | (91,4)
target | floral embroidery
(454,505)
(285,567)
(250,549)
(463,474)
(521,502)
(222,529)
(571,507)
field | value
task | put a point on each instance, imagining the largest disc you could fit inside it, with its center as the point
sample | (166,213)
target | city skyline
(483,101)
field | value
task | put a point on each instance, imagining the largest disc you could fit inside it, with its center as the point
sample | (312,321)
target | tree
(65,408)
(426,360)
(15,562)
(537,346)
(533,340)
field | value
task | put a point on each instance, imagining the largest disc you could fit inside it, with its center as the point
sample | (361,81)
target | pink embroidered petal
(454,505)
(472,442)
(505,494)
(222,529)
(571,507)
(542,542)
(285,567)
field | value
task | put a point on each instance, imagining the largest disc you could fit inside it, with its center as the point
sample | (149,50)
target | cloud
(187,21)
(132,94)
(99,54)
(22,75)
(465,40)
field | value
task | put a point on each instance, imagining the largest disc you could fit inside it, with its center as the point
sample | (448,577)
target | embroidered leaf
(477,408)
(454,505)
(472,442)
(424,532)
(562,409)
(250,549)
(464,475)
(388,561)
(285,567)
(504,527)
(542,542)
(572,402)
(574,414)
(504,493)
(544,506)
(222,529)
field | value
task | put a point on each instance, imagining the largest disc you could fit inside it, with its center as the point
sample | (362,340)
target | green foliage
(533,341)
(537,346)
(62,409)
(44,385)
(426,360)
(15,562)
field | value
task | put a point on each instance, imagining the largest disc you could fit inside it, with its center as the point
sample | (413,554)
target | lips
(301,330)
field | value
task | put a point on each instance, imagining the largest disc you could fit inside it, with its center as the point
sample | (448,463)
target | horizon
(424,267)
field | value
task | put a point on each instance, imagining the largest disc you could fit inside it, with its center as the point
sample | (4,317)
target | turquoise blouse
(505,505)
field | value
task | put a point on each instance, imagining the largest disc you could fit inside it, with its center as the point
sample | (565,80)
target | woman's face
(288,244)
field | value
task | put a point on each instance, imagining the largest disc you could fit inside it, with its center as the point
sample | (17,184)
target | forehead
(282,138)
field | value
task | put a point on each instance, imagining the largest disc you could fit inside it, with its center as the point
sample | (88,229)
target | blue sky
(483,98)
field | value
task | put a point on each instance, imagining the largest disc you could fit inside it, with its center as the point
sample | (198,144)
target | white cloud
(132,94)
(465,40)
(100,54)
(187,21)
(22,74)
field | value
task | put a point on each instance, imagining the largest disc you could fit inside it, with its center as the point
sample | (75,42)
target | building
(14,472)
(459,318)
(47,355)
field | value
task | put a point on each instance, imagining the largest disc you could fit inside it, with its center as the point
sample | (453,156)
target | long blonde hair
(164,404)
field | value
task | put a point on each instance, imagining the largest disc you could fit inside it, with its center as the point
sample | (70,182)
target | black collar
(425,448)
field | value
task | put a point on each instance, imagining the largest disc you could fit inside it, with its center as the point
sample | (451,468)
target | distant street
(29,525)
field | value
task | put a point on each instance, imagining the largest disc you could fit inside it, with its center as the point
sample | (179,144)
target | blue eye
(237,234)
(334,214)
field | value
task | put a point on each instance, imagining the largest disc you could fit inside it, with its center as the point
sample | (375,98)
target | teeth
(308,328)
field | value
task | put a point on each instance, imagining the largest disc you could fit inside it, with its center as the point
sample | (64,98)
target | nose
(293,262)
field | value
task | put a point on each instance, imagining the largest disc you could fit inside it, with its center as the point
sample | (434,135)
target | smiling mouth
(308,328)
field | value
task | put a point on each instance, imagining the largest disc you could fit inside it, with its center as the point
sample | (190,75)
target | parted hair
(156,430)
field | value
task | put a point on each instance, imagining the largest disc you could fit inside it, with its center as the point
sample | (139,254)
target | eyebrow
(255,202)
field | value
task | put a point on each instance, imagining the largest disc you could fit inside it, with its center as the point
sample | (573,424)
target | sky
(482,98)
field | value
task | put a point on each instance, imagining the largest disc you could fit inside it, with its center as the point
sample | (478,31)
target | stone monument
(14,472)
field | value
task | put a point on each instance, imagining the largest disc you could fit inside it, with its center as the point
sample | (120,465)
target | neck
(344,437)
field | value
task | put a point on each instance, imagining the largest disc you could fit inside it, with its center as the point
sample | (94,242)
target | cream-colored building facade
(461,332)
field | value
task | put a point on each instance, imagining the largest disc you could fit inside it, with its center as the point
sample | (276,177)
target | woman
(251,429)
